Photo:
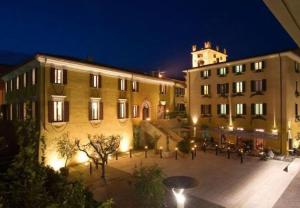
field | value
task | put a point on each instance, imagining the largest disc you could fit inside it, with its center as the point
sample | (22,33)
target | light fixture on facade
(275,131)
(240,129)
(230,128)
(260,130)
(163,102)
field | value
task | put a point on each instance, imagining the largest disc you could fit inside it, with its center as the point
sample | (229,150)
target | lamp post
(146,151)
(176,153)
(193,150)
(160,151)
(217,151)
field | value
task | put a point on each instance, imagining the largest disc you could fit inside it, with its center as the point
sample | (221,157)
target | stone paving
(222,182)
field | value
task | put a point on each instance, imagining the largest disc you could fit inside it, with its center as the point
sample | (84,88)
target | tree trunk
(103,170)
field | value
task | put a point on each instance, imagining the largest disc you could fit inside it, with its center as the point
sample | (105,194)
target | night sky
(140,35)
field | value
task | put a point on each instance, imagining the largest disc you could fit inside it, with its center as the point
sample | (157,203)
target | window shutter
(137,86)
(65,76)
(90,110)
(52,75)
(160,89)
(127,110)
(264,84)
(209,109)
(227,109)
(118,110)
(218,71)
(218,109)
(132,111)
(244,109)
(252,86)
(209,73)
(227,87)
(99,81)
(296,109)
(35,75)
(202,109)
(37,112)
(244,86)
(125,85)
(252,109)
(233,69)
(234,87)
(50,111)
(66,111)
(202,90)
(244,68)
(101,110)
(119,85)
(227,70)
(201,74)
(218,88)
(263,64)
(91,80)
(265,108)
(28,78)
(21,82)
(252,66)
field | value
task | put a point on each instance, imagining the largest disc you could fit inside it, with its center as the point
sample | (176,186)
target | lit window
(239,87)
(258,65)
(239,69)
(58,76)
(163,89)
(135,86)
(58,111)
(206,89)
(95,109)
(122,110)
(206,73)
(297,68)
(135,111)
(33,76)
(223,109)
(259,109)
(123,84)
(239,109)
(95,81)
(17,83)
(24,80)
(222,71)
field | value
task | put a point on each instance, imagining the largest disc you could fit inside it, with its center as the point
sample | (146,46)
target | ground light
(177,184)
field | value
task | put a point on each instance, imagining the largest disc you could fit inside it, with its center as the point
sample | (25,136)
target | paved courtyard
(222,182)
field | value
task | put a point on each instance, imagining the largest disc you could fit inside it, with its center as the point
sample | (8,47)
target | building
(78,97)
(253,100)
(287,13)
(3,69)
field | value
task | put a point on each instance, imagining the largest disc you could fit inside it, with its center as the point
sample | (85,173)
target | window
(122,84)
(180,107)
(205,90)
(58,110)
(163,89)
(11,85)
(135,111)
(223,88)
(240,109)
(95,109)
(6,87)
(222,71)
(33,76)
(11,112)
(205,110)
(297,68)
(238,69)
(238,87)
(258,85)
(205,74)
(57,76)
(135,86)
(95,81)
(258,66)
(122,109)
(259,109)
(17,82)
(24,80)
(223,109)
(179,92)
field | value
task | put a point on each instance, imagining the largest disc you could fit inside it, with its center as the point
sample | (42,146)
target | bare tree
(66,148)
(98,148)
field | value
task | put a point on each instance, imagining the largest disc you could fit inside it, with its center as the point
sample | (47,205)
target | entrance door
(146,112)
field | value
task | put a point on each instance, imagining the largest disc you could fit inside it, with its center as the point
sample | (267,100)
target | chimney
(207,44)
(225,51)
(217,48)
(194,47)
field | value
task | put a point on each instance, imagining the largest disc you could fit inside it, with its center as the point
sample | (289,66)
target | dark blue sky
(140,34)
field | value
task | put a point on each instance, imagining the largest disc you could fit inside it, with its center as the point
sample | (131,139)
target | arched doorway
(146,110)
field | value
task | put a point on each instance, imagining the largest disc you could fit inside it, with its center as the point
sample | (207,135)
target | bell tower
(207,55)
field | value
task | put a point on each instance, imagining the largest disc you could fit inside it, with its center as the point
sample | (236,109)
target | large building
(78,97)
(254,100)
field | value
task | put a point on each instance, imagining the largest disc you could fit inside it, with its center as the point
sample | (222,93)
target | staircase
(168,139)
